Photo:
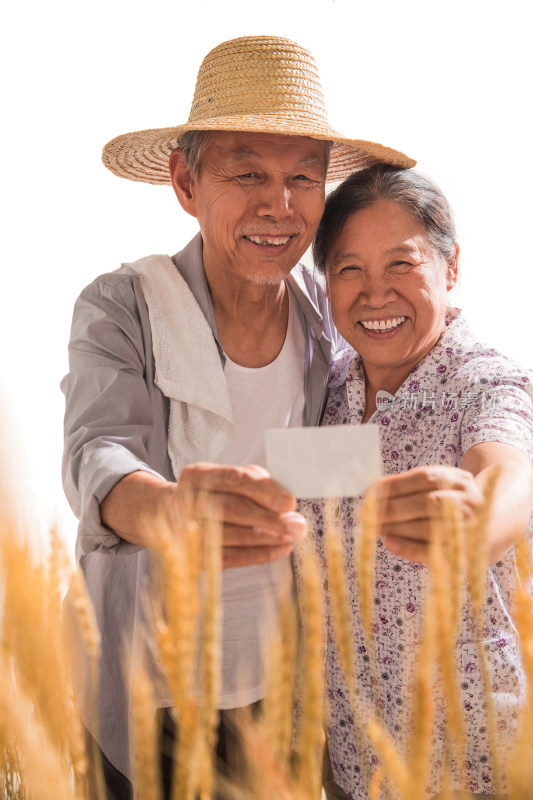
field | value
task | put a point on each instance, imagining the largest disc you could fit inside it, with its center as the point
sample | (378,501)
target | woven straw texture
(256,83)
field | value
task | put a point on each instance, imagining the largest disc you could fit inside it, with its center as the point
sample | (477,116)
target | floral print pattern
(462,393)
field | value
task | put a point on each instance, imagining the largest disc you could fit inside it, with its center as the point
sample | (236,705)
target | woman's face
(388,287)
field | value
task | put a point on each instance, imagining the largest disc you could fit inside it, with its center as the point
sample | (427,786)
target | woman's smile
(388,325)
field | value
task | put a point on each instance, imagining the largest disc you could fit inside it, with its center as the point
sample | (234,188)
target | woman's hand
(411,503)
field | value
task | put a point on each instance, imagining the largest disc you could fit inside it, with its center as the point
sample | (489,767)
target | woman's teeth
(382,324)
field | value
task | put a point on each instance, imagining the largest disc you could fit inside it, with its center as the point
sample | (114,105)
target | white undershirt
(261,398)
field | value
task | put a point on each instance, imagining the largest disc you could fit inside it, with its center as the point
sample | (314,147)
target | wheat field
(42,745)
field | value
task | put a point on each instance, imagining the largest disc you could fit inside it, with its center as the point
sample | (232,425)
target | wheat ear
(210,658)
(338,596)
(448,570)
(520,764)
(309,735)
(147,778)
(394,767)
(423,707)
(177,635)
(278,706)
(375,784)
(477,554)
(365,557)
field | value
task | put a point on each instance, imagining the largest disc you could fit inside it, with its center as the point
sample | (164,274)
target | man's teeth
(382,324)
(267,240)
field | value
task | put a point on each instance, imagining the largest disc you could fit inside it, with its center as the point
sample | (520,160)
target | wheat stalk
(277,711)
(145,736)
(338,597)
(520,764)
(477,554)
(210,666)
(448,571)
(395,769)
(309,734)
(365,556)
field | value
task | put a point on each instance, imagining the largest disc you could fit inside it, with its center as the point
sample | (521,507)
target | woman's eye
(401,266)
(349,270)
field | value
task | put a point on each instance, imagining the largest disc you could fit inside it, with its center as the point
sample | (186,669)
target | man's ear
(452,272)
(182,181)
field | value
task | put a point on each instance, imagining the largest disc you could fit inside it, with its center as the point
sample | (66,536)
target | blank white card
(333,461)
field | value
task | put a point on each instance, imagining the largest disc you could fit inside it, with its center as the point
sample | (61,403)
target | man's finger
(241,511)
(248,556)
(251,482)
(241,536)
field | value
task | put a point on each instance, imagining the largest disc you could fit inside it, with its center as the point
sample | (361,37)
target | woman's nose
(377,290)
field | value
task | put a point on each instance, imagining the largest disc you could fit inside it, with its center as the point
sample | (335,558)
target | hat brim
(143,155)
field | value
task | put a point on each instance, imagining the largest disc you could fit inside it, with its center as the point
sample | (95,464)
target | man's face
(258,199)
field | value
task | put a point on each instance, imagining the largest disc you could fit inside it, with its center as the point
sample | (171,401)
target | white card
(333,461)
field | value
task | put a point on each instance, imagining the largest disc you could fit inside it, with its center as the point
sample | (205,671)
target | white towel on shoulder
(187,365)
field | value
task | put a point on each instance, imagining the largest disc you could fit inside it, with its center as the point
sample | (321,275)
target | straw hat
(256,83)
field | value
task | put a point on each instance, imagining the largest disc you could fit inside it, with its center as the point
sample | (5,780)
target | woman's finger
(422,480)
(408,549)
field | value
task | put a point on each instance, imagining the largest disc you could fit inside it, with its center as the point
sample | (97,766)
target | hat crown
(258,75)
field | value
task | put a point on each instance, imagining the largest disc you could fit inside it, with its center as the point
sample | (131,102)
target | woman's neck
(385,380)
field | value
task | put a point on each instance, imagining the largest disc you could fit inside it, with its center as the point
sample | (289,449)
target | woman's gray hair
(416,193)
(193,145)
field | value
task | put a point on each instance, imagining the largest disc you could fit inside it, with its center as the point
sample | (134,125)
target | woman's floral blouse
(462,393)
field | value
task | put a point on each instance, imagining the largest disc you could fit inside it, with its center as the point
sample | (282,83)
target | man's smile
(276,241)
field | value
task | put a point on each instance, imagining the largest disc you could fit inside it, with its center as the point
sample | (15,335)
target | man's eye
(248,176)
(304,178)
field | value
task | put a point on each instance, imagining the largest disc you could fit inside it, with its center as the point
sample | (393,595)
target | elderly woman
(455,409)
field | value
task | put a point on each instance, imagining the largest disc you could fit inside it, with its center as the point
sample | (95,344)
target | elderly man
(178,365)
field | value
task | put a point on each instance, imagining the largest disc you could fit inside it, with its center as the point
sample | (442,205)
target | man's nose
(275,200)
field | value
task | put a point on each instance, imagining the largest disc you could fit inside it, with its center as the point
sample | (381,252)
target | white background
(449,83)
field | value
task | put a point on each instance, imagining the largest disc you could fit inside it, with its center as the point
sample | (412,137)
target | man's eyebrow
(244,153)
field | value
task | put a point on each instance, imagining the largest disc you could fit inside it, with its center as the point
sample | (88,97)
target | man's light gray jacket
(116,422)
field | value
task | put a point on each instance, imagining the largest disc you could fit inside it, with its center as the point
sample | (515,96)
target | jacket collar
(189,263)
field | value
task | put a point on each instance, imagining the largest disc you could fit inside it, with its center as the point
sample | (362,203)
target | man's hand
(259,523)
(411,503)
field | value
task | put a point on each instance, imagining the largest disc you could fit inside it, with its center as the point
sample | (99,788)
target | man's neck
(251,321)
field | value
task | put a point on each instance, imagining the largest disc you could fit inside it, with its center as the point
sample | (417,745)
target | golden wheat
(42,748)
(310,687)
(145,736)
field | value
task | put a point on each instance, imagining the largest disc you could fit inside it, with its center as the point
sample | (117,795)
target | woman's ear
(182,181)
(452,271)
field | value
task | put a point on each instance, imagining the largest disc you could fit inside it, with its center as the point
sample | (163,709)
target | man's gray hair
(193,145)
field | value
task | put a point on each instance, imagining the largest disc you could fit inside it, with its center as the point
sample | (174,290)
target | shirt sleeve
(109,412)
(498,401)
